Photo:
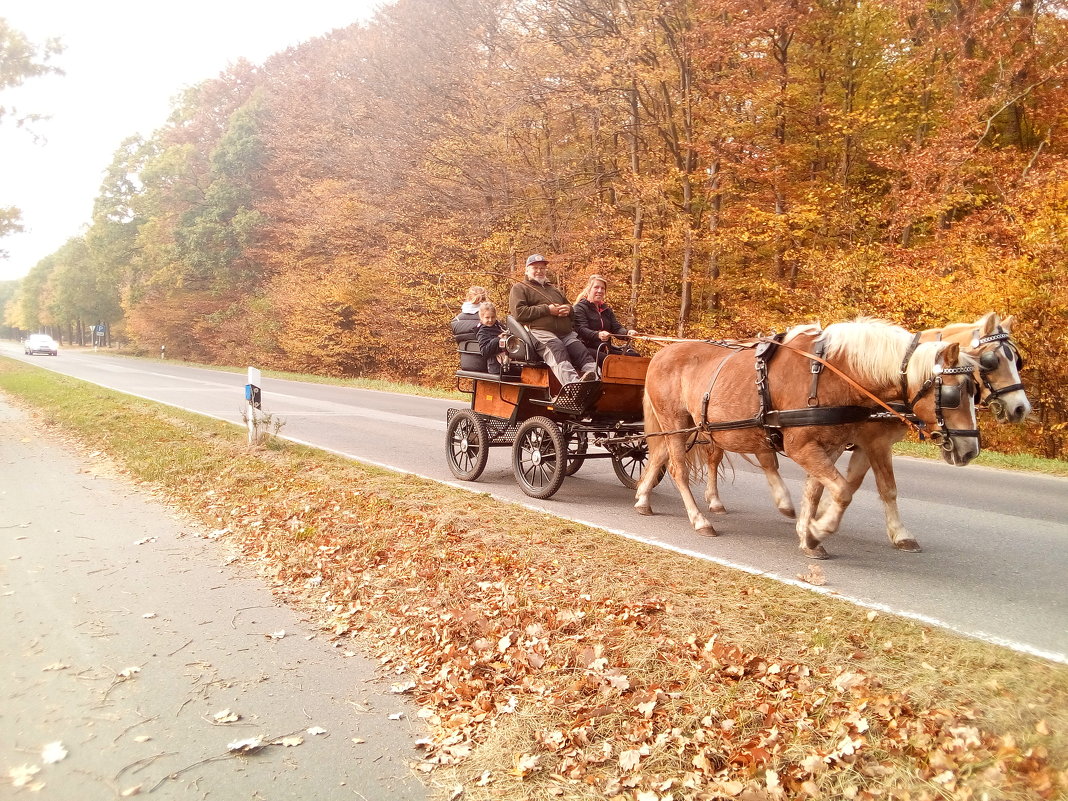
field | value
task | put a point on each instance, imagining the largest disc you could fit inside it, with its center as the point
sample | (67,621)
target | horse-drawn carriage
(551,430)
(702,393)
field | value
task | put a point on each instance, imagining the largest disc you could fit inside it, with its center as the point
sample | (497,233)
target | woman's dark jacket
(589,320)
(463,326)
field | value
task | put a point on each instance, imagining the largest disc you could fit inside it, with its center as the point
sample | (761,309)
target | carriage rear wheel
(578,442)
(466,445)
(629,462)
(539,457)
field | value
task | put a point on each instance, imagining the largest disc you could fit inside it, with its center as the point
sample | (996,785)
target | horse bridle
(988,363)
(945,397)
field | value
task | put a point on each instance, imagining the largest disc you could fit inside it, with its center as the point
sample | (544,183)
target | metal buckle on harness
(815,368)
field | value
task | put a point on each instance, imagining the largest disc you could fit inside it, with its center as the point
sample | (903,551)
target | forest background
(733,166)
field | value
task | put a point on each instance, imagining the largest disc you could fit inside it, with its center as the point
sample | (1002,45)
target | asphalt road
(995,542)
(128,633)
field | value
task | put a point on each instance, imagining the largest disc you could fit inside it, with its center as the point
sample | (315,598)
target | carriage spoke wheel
(466,445)
(578,442)
(629,462)
(539,457)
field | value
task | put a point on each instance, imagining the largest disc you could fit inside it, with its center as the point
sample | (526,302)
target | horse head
(989,340)
(999,369)
(942,388)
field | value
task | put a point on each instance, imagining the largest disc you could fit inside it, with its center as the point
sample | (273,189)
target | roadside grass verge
(555,660)
(1003,461)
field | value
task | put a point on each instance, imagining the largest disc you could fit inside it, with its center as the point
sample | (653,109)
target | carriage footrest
(574,398)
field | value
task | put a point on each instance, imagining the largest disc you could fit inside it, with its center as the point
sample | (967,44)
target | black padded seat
(471,358)
(522,348)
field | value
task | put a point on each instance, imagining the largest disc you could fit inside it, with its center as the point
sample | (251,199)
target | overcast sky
(124,61)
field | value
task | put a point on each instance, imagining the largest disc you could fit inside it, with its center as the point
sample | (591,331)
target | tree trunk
(637,214)
(715,208)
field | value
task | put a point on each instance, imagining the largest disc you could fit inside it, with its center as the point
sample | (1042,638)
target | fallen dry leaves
(550,660)
(482,633)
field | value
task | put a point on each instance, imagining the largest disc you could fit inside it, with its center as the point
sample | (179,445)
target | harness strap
(708,392)
(818,416)
(817,368)
(911,349)
(903,418)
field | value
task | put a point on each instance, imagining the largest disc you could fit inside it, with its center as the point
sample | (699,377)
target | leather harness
(773,421)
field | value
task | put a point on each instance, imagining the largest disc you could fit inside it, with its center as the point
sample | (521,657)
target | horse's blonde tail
(657,444)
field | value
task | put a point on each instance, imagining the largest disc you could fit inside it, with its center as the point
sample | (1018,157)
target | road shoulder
(130,630)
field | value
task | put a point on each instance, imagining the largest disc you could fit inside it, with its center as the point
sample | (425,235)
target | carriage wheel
(539,457)
(466,445)
(578,442)
(629,463)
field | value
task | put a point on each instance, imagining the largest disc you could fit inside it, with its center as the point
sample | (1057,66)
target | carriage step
(574,398)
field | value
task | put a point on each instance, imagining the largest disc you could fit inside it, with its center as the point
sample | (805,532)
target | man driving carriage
(544,309)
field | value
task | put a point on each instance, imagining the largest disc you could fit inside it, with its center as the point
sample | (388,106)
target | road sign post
(253,398)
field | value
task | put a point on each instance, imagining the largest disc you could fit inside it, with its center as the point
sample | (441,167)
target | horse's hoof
(717,508)
(707,531)
(644,510)
(909,545)
(818,552)
(790,513)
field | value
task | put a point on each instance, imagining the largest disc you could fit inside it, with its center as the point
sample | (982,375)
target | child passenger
(491,337)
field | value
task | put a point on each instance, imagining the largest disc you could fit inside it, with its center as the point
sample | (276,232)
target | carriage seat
(522,350)
(471,358)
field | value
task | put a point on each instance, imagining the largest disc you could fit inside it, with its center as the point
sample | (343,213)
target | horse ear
(987,323)
(950,354)
(1008,323)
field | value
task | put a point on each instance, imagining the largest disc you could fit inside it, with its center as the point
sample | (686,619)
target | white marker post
(253,399)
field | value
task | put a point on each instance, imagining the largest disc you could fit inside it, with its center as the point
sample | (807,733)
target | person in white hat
(544,309)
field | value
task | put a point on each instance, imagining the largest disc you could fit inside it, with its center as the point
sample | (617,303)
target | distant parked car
(41,343)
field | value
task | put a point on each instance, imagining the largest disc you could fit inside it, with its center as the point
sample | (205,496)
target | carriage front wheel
(466,445)
(539,457)
(629,462)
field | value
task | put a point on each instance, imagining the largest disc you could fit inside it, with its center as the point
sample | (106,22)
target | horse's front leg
(822,475)
(829,518)
(780,495)
(882,465)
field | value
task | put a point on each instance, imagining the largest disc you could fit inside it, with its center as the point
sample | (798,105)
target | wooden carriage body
(551,430)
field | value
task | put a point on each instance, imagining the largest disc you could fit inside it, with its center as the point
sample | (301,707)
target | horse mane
(807,328)
(921,365)
(872,349)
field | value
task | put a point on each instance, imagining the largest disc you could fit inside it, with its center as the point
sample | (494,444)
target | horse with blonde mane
(705,390)
(988,340)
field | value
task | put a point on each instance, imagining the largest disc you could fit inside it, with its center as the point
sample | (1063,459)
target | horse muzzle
(959,446)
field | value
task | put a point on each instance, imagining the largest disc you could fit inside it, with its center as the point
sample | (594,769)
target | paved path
(126,630)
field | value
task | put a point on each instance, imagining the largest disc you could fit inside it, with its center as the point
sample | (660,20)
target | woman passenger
(596,323)
(463,325)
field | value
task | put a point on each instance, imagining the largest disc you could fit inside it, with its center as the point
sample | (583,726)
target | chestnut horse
(707,389)
(989,341)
